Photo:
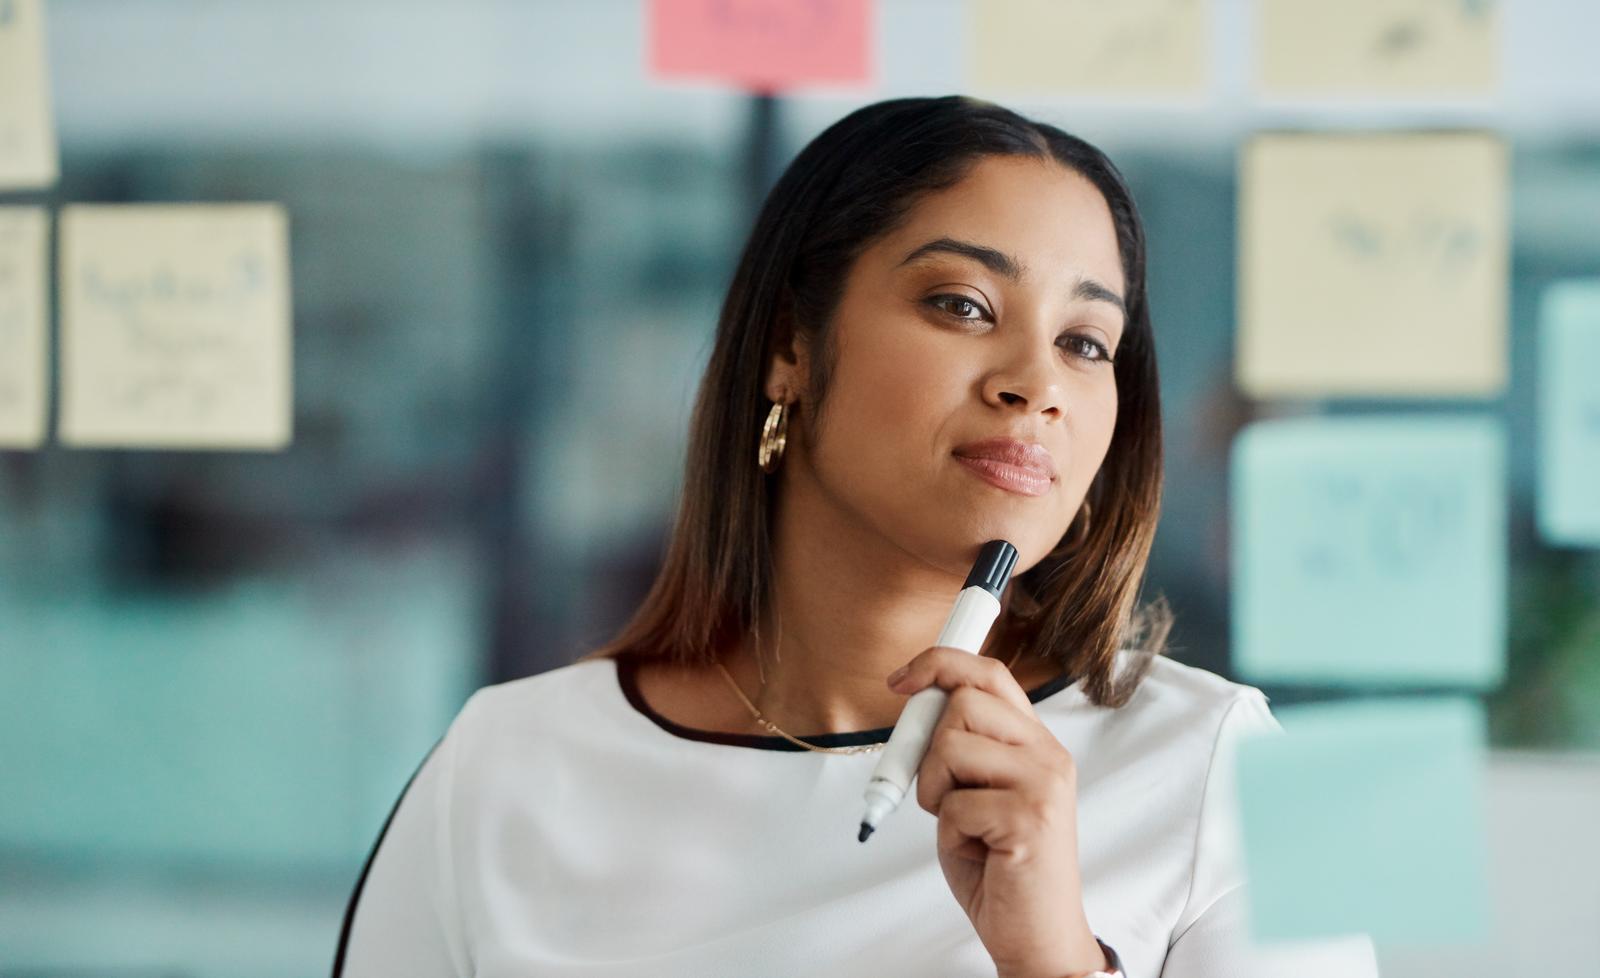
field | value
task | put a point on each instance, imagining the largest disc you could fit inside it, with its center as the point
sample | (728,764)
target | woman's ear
(789,370)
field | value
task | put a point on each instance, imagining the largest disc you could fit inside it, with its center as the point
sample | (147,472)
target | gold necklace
(769,725)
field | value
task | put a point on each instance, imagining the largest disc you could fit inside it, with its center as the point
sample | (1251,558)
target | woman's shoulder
(1167,679)
(558,697)
(1175,698)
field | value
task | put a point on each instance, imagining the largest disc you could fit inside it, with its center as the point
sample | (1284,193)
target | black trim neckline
(627,668)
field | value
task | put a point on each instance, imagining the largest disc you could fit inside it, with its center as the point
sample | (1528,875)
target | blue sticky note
(1569,414)
(1370,551)
(1367,816)
(255,725)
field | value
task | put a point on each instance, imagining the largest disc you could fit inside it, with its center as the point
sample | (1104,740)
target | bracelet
(1113,967)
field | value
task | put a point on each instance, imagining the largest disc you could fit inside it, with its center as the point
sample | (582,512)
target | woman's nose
(1029,380)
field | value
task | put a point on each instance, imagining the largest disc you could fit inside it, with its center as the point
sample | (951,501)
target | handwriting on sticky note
(1373,265)
(1370,550)
(1569,414)
(24,289)
(1367,816)
(1390,526)
(1440,244)
(175,326)
(1132,46)
(27,136)
(762,44)
(1378,46)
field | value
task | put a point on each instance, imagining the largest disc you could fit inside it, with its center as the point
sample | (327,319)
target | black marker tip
(866,830)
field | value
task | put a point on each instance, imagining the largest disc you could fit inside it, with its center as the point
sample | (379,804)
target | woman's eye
(1089,349)
(958,307)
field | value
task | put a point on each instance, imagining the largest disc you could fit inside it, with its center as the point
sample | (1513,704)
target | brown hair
(850,185)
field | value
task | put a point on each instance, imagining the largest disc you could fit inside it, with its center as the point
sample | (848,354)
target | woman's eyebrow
(1008,267)
(1090,289)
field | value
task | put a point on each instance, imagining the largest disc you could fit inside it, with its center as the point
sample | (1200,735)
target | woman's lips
(1020,479)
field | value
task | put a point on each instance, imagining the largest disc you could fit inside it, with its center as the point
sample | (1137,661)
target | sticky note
(1373,265)
(1065,46)
(1355,47)
(246,723)
(28,154)
(1367,816)
(1569,414)
(24,325)
(175,326)
(1370,551)
(766,45)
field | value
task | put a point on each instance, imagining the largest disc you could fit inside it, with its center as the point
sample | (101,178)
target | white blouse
(562,828)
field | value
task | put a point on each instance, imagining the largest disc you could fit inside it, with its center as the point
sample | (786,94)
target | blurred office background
(509,245)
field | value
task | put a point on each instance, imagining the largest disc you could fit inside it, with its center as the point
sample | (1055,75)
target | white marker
(977,606)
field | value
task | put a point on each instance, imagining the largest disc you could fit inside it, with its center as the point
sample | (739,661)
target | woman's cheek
(908,390)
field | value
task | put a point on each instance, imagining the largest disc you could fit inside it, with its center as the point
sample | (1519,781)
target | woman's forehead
(1044,221)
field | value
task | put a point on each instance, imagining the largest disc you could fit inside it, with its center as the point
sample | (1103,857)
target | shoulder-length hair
(849,186)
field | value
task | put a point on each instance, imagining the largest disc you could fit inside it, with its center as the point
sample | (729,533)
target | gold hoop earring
(774,436)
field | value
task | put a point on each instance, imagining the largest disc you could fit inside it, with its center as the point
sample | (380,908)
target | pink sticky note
(762,44)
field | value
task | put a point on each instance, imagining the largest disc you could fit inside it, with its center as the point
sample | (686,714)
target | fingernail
(898,674)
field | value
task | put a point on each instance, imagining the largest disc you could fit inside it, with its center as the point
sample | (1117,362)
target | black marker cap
(993,568)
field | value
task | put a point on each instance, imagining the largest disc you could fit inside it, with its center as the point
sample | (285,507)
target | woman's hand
(1005,792)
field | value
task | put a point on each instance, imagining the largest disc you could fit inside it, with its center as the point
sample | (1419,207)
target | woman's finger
(949,668)
(959,758)
(975,823)
(980,711)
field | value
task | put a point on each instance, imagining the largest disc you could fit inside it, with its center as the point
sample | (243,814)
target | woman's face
(989,314)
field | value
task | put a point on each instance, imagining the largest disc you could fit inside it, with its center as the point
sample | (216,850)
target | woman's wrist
(1113,964)
(1093,958)
(1111,967)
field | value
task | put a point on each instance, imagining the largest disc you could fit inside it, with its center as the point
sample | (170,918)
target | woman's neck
(848,609)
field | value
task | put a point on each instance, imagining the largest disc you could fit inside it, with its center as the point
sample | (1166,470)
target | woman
(937,336)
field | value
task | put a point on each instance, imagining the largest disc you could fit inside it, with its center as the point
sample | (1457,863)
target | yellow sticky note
(175,326)
(24,330)
(28,157)
(1373,265)
(1378,46)
(1156,47)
